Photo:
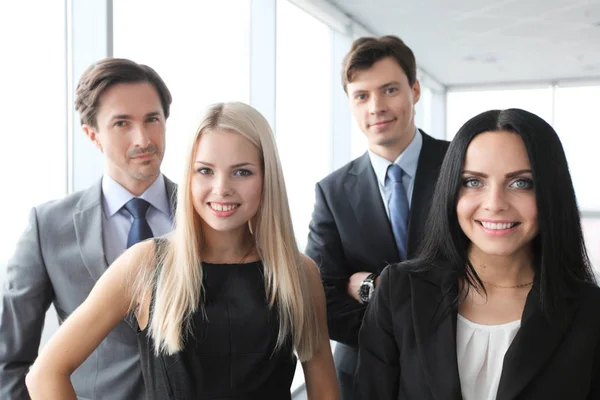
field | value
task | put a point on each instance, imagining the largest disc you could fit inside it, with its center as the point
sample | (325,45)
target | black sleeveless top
(230,351)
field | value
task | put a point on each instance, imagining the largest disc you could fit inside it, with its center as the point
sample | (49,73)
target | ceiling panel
(466,42)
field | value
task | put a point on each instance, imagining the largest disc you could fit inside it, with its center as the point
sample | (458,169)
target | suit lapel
(428,168)
(88,229)
(435,331)
(362,190)
(88,226)
(171,196)
(531,348)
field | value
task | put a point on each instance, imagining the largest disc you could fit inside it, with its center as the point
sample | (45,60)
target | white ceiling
(472,42)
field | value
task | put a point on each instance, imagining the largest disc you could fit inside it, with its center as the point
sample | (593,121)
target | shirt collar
(115,196)
(407,160)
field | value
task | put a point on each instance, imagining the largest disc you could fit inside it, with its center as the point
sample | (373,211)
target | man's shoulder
(68,204)
(433,144)
(340,175)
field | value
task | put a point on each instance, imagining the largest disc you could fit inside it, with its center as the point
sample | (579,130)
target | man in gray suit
(69,243)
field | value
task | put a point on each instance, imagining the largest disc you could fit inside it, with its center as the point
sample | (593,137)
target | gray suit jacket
(58,259)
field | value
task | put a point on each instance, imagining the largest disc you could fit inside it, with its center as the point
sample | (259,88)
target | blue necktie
(398,207)
(140,230)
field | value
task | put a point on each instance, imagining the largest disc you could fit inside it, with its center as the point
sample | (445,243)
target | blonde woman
(226,303)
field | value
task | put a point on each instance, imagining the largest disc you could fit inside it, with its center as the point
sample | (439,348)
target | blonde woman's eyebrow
(239,165)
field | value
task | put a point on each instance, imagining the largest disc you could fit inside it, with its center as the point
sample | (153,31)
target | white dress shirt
(480,350)
(408,161)
(117,221)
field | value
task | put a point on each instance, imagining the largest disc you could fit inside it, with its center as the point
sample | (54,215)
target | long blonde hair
(178,284)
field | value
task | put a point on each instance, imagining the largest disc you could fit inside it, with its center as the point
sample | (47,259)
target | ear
(92,133)
(416,89)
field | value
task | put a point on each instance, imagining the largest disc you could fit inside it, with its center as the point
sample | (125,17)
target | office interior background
(284,57)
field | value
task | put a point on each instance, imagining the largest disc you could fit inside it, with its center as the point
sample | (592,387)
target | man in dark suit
(69,243)
(372,211)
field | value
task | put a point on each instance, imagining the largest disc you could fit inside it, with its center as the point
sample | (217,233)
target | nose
(222,186)
(377,104)
(495,199)
(141,138)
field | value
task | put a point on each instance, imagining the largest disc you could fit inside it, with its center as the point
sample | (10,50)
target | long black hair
(560,257)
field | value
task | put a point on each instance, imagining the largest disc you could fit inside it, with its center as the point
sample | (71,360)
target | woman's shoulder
(587,293)
(435,272)
(585,298)
(135,258)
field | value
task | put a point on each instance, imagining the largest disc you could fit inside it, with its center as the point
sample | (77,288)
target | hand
(354,284)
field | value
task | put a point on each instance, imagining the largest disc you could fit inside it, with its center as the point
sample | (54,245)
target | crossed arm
(340,280)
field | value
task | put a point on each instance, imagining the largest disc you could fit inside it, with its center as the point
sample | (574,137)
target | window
(464,105)
(575,123)
(577,126)
(200,49)
(303,108)
(33,83)
(34,87)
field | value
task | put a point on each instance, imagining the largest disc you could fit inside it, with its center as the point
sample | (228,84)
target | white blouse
(480,350)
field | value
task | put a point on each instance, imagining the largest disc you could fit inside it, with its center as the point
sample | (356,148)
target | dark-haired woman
(501,303)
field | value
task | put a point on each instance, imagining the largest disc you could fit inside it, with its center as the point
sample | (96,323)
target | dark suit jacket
(408,344)
(350,231)
(58,259)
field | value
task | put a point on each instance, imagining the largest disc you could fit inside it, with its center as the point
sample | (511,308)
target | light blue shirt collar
(407,160)
(115,196)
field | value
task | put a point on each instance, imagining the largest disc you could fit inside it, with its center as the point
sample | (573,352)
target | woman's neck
(503,271)
(231,247)
(507,281)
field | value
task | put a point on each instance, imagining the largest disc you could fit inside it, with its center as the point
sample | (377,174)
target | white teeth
(221,207)
(498,226)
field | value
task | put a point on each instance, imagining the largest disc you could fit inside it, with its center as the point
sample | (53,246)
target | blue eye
(522,183)
(361,96)
(391,90)
(471,183)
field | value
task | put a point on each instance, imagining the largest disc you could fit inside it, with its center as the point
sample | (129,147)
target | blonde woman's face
(226,181)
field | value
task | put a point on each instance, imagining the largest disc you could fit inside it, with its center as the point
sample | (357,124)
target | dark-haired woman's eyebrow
(481,174)
(508,175)
(519,172)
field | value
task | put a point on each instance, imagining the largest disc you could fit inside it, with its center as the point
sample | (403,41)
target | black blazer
(350,231)
(408,344)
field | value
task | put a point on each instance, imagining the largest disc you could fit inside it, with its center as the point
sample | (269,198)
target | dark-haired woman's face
(496,206)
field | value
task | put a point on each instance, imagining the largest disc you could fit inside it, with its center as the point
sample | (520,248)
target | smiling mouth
(381,123)
(143,156)
(223,207)
(498,226)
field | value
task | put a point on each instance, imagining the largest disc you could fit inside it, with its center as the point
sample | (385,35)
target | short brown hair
(111,71)
(366,51)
